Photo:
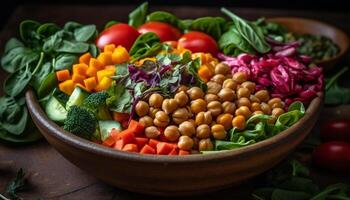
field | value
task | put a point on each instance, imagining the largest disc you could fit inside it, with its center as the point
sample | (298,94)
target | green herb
(138,16)
(110,23)
(336,94)
(146,45)
(120,99)
(16,185)
(210,25)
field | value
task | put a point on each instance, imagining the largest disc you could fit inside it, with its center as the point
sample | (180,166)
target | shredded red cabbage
(282,72)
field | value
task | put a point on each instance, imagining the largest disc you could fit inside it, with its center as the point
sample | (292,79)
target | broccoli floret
(80,121)
(96,102)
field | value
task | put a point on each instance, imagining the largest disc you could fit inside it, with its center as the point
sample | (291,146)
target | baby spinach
(249,32)
(85,33)
(64,61)
(47,29)
(119,99)
(210,25)
(48,84)
(138,16)
(13,116)
(146,45)
(27,30)
(335,93)
(17,82)
(232,43)
(166,17)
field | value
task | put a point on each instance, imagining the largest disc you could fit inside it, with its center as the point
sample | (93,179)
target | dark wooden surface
(50,175)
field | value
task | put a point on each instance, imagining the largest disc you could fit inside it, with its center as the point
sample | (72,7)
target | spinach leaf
(47,29)
(65,61)
(280,194)
(93,50)
(120,99)
(249,32)
(17,58)
(228,145)
(337,191)
(85,33)
(17,184)
(47,85)
(27,30)
(209,25)
(232,43)
(17,82)
(72,47)
(71,26)
(11,44)
(13,116)
(336,94)
(166,17)
(110,23)
(146,45)
(138,16)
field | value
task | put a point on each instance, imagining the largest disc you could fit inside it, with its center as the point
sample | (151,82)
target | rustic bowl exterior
(173,175)
(310,26)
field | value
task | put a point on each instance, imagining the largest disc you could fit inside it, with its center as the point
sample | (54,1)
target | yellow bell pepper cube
(104,84)
(105,73)
(66,86)
(105,58)
(109,48)
(120,55)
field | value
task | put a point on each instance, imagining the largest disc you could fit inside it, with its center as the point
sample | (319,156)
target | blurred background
(8,6)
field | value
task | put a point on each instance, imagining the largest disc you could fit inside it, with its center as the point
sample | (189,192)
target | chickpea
(262,95)
(152,132)
(203,131)
(171,133)
(205,145)
(222,68)
(213,87)
(277,112)
(146,121)
(218,78)
(225,120)
(243,92)
(187,128)
(169,105)
(203,118)
(185,143)
(195,93)
(181,98)
(180,115)
(243,110)
(228,107)
(195,144)
(265,108)
(275,103)
(226,94)
(253,98)
(211,97)
(244,101)
(239,122)
(190,114)
(239,77)
(182,88)
(249,85)
(229,83)
(255,107)
(218,131)
(161,119)
(258,112)
(229,76)
(214,108)
(155,100)
(192,121)
(198,105)
(141,108)
(153,111)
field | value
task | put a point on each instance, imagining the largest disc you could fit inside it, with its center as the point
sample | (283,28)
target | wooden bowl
(302,26)
(173,175)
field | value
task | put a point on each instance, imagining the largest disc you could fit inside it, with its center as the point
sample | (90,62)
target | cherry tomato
(164,31)
(336,130)
(198,42)
(333,156)
(118,34)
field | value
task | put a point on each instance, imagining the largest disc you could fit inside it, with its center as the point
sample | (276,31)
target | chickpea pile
(192,118)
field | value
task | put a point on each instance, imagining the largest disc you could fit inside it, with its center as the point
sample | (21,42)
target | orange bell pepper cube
(85,58)
(109,48)
(80,69)
(66,86)
(147,150)
(78,78)
(105,58)
(63,75)
(90,83)
(95,64)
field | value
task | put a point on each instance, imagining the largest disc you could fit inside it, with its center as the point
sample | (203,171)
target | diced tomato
(130,148)
(183,153)
(164,148)
(119,144)
(153,143)
(140,142)
(147,150)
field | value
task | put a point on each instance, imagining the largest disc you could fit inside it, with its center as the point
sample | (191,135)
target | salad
(159,84)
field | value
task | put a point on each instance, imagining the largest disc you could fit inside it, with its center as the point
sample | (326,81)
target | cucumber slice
(76,98)
(55,111)
(106,127)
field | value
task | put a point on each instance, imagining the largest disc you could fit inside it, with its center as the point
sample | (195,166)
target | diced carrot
(105,58)
(153,143)
(119,117)
(80,69)
(109,48)
(95,64)
(147,150)
(78,78)
(136,127)
(127,136)
(110,141)
(205,73)
(130,148)
(104,73)
(119,144)
(164,148)
(91,71)
(90,83)
(183,153)
(120,55)
(140,142)
(67,86)
(63,75)
(173,152)
(85,58)
(104,84)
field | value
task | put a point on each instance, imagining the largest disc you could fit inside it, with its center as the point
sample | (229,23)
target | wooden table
(50,175)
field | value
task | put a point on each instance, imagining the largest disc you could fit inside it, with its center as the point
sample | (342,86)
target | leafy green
(138,16)
(85,33)
(210,25)
(16,185)
(336,94)
(119,99)
(17,82)
(166,17)
(65,61)
(146,45)
(110,23)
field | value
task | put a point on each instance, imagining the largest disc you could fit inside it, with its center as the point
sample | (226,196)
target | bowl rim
(59,133)
(342,52)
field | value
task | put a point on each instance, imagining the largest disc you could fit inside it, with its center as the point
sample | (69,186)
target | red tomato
(198,42)
(336,130)
(118,34)
(164,31)
(333,156)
